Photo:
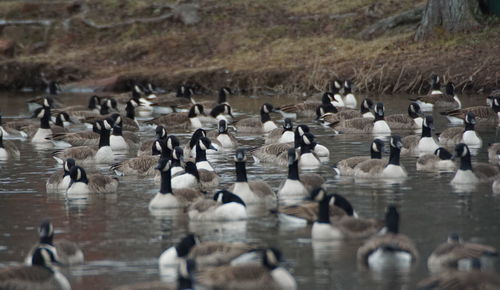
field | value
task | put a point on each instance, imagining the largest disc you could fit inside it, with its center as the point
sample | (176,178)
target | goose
(86,154)
(298,185)
(365,125)
(120,140)
(349,99)
(264,124)
(185,120)
(145,148)
(411,121)
(221,138)
(334,116)
(380,168)
(494,153)
(455,280)
(10,129)
(455,252)
(177,161)
(265,275)
(93,105)
(173,255)
(337,98)
(345,167)
(129,123)
(225,206)
(167,105)
(281,135)
(89,116)
(251,192)
(484,114)
(59,181)
(420,145)
(453,136)
(85,138)
(61,120)
(40,275)
(346,227)
(145,165)
(190,178)
(390,248)
(201,154)
(190,148)
(437,99)
(440,160)
(94,183)
(468,175)
(166,198)
(8,149)
(67,252)
(308,157)
(324,109)
(43,133)
(220,112)
(304,109)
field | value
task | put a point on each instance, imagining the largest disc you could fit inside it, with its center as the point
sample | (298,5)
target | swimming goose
(225,206)
(298,185)
(349,99)
(61,120)
(129,123)
(8,149)
(40,275)
(145,148)
(337,98)
(93,105)
(59,181)
(85,138)
(494,153)
(484,114)
(380,168)
(265,275)
(10,129)
(335,115)
(365,125)
(304,109)
(469,175)
(455,135)
(220,112)
(190,148)
(221,138)
(67,252)
(413,120)
(281,135)
(455,252)
(437,99)
(420,145)
(346,227)
(201,154)
(324,109)
(251,192)
(145,165)
(308,157)
(171,256)
(86,154)
(264,124)
(190,178)
(43,133)
(167,198)
(345,167)
(390,248)
(440,160)
(94,183)
(89,116)
(184,120)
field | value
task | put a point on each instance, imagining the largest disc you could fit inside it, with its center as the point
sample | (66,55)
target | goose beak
(212,147)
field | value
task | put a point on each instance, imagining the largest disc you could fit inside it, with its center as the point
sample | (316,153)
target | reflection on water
(122,239)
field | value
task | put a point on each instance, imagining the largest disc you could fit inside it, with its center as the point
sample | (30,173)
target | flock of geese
(187,179)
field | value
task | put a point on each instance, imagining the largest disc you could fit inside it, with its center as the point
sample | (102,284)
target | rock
(7,48)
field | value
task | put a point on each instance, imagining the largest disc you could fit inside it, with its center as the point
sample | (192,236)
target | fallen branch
(408,17)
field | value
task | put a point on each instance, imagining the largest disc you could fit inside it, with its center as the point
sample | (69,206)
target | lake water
(122,240)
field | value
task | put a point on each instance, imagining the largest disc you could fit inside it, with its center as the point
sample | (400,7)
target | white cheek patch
(169,143)
(42,112)
(66,167)
(266,109)
(78,174)
(45,102)
(301,132)
(107,125)
(271,258)
(98,126)
(158,146)
(465,151)
(374,147)
(118,120)
(202,146)
(320,196)
(219,198)
(332,201)
(306,140)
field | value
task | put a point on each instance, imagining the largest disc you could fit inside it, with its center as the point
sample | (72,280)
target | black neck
(363,109)
(378,117)
(426,131)
(264,117)
(241,171)
(59,122)
(47,240)
(412,114)
(293,171)
(104,109)
(307,148)
(166,153)
(104,138)
(466,163)
(392,224)
(130,110)
(296,139)
(166,184)
(117,131)
(201,155)
(176,162)
(469,127)
(184,283)
(1,140)
(44,121)
(324,211)
(394,157)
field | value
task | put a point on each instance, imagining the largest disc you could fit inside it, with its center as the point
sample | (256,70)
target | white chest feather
(230,212)
(78,188)
(204,165)
(381,127)
(464,177)
(308,160)
(321,151)
(164,201)
(41,135)
(293,188)
(168,258)
(118,143)
(381,259)
(268,126)
(425,106)
(104,155)
(418,122)
(176,170)
(325,231)
(3,153)
(350,101)
(287,137)
(426,145)
(470,138)
(225,140)
(394,171)
(184,181)
(63,185)
(62,281)
(283,278)
(195,123)
(368,115)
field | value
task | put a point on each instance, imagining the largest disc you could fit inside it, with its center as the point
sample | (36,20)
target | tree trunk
(450,15)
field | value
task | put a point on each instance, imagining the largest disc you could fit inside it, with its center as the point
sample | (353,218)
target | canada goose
(221,137)
(437,99)
(120,140)
(453,136)
(349,99)
(67,252)
(86,154)
(190,178)
(281,135)
(298,185)
(264,124)
(220,112)
(494,153)
(345,167)
(171,256)
(225,206)
(324,109)
(265,275)
(484,114)
(8,149)
(128,123)
(466,174)
(337,98)
(43,133)
(335,116)
(380,168)
(59,181)
(85,138)
(185,120)
(93,105)
(346,227)
(94,183)
(304,109)
(201,154)
(40,275)
(107,107)
(365,125)
(308,157)
(145,148)
(390,248)
(462,280)
(255,191)
(420,145)
(177,161)
(145,165)
(167,198)
(190,148)
(61,120)
(454,252)
(9,129)
(411,121)
(440,160)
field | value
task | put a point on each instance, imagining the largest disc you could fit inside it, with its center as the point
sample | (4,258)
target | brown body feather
(397,241)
